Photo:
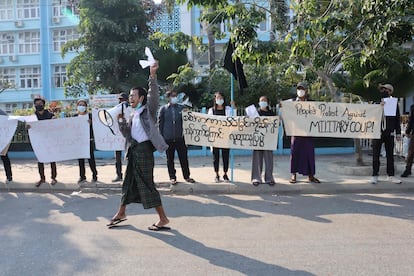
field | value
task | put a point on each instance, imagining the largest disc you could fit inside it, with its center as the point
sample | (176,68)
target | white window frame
(59,75)
(6,10)
(29,42)
(30,77)
(61,36)
(27,9)
(6,44)
(9,74)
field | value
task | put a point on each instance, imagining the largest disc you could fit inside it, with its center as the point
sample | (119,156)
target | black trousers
(92,164)
(118,163)
(41,167)
(410,155)
(7,166)
(225,153)
(181,148)
(388,141)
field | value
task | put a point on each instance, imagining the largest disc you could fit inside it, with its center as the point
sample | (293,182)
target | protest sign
(340,120)
(60,139)
(235,132)
(7,129)
(106,133)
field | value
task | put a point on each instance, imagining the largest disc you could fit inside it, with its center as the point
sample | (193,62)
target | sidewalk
(337,173)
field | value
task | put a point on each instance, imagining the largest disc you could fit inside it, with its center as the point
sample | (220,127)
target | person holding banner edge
(391,125)
(123,98)
(142,138)
(42,114)
(5,158)
(220,109)
(263,155)
(302,149)
(409,131)
(82,107)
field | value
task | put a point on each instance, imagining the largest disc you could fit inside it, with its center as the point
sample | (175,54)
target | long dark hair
(214,100)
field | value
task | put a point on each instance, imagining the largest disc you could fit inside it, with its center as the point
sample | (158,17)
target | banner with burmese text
(235,132)
(340,120)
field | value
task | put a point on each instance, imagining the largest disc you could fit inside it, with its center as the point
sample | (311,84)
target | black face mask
(39,107)
(384,94)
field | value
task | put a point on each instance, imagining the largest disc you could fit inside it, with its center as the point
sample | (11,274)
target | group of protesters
(145,132)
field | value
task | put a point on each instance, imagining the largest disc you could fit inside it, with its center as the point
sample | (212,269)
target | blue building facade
(32,34)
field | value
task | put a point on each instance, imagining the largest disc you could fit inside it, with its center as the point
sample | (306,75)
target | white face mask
(173,100)
(301,93)
(81,108)
(263,104)
(219,101)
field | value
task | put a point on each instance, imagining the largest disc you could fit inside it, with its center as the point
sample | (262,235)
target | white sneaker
(374,179)
(394,180)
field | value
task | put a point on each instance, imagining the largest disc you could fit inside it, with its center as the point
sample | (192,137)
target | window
(30,77)
(29,42)
(59,76)
(60,37)
(65,8)
(27,9)
(8,75)
(6,43)
(6,9)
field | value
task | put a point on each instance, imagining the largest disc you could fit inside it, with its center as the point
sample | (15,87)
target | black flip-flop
(155,227)
(116,221)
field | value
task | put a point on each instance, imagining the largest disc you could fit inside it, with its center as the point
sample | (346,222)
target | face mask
(139,105)
(384,94)
(263,104)
(219,101)
(39,107)
(301,93)
(81,108)
(173,100)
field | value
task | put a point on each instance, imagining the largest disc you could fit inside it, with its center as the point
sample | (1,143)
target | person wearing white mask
(220,109)
(82,109)
(170,124)
(260,155)
(302,149)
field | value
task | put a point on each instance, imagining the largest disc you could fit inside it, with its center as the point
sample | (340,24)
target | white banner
(7,129)
(60,139)
(340,120)
(106,131)
(236,132)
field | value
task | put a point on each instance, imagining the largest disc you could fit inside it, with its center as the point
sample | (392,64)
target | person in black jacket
(43,114)
(391,126)
(170,124)
(409,131)
(82,108)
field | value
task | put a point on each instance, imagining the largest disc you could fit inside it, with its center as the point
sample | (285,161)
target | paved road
(347,234)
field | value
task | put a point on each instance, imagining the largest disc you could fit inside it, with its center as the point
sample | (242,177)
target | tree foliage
(113,35)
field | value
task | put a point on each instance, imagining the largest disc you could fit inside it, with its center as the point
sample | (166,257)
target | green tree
(113,35)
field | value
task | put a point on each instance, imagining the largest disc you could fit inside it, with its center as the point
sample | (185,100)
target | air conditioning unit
(19,24)
(56,20)
(13,58)
(10,38)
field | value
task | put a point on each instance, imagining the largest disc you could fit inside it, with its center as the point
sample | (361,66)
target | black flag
(235,67)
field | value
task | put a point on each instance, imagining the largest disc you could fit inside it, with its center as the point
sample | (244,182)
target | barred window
(29,42)
(6,9)
(6,43)
(27,9)
(59,75)
(60,37)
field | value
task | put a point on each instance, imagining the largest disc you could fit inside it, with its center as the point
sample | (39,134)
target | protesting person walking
(142,138)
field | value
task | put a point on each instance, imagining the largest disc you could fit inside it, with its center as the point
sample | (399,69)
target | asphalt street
(213,234)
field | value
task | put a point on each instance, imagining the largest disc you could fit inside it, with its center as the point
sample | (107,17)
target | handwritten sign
(7,129)
(341,120)
(60,139)
(236,132)
(105,139)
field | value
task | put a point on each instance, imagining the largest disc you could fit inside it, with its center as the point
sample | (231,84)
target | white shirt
(137,130)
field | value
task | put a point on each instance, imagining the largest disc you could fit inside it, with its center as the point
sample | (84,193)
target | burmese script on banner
(60,139)
(7,129)
(340,120)
(235,132)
